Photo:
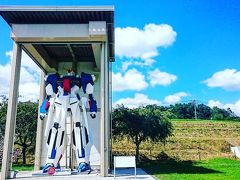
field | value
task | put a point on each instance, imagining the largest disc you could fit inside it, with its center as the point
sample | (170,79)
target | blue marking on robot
(83,153)
(52,79)
(53,154)
(65,93)
(85,79)
(46,167)
(43,106)
(93,107)
(83,167)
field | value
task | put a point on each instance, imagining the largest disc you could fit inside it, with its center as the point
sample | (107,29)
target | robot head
(70,72)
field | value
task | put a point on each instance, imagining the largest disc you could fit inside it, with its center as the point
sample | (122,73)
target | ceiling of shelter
(60,17)
(66,52)
(63,17)
(47,56)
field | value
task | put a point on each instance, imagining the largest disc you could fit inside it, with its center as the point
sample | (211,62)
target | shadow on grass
(169,165)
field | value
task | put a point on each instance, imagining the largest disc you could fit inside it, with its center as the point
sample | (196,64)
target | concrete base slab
(63,172)
(121,174)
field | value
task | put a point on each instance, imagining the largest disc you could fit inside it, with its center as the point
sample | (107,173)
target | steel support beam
(74,61)
(107,115)
(38,150)
(97,54)
(102,118)
(47,65)
(104,125)
(11,112)
(43,53)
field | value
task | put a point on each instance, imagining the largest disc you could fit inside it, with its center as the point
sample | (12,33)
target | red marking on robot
(47,105)
(60,159)
(67,85)
(51,171)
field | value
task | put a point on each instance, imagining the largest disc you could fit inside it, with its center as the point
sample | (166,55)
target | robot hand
(42,116)
(92,106)
(93,115)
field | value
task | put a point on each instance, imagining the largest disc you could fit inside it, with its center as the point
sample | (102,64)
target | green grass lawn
(28,167)
(219,168)
(18,167)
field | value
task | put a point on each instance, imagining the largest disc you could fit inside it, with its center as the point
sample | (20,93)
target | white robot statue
(63,97)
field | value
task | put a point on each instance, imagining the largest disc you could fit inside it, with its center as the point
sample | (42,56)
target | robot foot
(83,167)
(46,167)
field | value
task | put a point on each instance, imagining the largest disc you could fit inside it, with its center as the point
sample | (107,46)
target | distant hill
(191,140)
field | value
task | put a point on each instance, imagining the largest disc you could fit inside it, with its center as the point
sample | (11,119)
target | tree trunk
(137,151)
(24,154)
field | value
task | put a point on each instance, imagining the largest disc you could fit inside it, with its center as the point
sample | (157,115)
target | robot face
(70,72)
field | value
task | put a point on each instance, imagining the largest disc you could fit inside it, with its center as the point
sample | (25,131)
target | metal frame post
(38,150)
(102,118)
(107,115)
(104,125)
(11,112)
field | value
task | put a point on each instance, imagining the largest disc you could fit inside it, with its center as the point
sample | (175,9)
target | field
(213,169)
(191,140)
(197,150)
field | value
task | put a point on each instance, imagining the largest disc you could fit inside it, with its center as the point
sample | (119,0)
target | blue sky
(206,42)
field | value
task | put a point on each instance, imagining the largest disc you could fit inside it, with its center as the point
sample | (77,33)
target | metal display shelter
(79,37)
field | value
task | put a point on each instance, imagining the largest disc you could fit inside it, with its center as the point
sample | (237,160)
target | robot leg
(50,116)
(85,125)
(80,137)
(56,143)
(52,147)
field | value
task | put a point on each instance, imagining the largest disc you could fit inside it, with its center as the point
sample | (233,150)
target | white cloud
(213,103)
(132,42)
(29,78)
(136,101)
(174,98)
(235,107)
(26,62)
(125,65)
(228,79)
(9,54)
(131,80)
(145,62)
(5,72)
(157,77)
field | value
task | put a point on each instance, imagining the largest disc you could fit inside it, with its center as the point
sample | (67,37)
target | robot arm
(87,82)
(46,103)
(92,102)
(51,91)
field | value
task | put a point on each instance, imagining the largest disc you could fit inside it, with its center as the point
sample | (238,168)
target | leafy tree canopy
(26,125)
(140,124)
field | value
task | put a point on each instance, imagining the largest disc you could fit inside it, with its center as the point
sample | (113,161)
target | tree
(3,113)
(221,114)
(204,112)
(140,124)
(26,125)
(183,111)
